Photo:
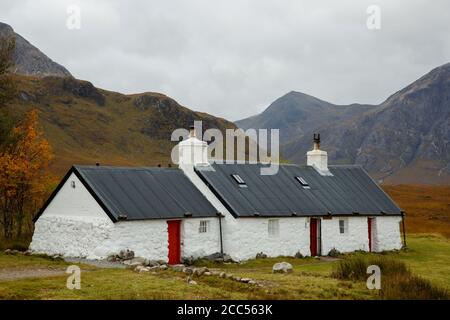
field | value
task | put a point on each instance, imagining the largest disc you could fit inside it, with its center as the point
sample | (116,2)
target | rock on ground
(282,267)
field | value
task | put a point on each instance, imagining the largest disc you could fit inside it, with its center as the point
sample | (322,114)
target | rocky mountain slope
(28,59)
(406,139)
(297,113)
(86,125)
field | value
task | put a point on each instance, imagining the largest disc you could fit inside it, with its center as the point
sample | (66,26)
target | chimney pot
(192,131)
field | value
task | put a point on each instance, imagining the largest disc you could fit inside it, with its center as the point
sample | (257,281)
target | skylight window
(239,180)
(303,182)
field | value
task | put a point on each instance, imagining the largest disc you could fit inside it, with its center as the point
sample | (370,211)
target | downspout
(404,230)
(220,231)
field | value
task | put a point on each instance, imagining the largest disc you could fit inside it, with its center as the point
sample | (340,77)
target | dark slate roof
(142,193)
(348,191)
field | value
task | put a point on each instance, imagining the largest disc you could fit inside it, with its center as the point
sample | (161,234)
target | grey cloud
(232,58)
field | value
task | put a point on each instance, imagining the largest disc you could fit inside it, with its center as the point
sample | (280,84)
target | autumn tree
(23,175)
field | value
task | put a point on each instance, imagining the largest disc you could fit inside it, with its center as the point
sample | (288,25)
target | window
(303,182)
(72,183)
(274,227)
(239,180)
(204,226)
(343,226)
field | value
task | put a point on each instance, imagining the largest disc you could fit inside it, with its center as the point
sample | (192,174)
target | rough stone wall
(356,236)
(250,236)
(70,236)
(198,244)
(387,234)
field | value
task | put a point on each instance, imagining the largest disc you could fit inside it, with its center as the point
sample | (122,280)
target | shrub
(397,281)
(411,287)
(355,267)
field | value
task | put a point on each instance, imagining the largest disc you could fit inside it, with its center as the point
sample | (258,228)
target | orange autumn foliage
(23,176)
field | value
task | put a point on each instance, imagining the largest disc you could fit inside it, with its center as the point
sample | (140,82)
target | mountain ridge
(405,139)
(28,59)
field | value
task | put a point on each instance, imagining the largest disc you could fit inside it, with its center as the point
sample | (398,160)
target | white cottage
(201,208)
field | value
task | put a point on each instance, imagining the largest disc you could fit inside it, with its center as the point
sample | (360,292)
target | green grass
(427,257)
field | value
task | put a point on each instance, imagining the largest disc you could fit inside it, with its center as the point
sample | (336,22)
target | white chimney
(318,158)
(192,151)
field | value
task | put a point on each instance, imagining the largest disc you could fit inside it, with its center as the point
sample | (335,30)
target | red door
(173,227)
(369,228)
(313,237)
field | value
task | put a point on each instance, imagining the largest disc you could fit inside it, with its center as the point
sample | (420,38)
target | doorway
(173,228)
(315,237)
(370,229)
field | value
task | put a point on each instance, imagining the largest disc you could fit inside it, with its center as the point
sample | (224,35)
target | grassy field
(427,256)
(427,207)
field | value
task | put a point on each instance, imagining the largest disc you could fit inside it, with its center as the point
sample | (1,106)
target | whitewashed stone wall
(251,236)
(70,236)
(356,236)
(387,234)
(73,224)
(196,244)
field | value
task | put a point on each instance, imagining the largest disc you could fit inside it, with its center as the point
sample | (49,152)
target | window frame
(203,226)
(344,228)
(273,228)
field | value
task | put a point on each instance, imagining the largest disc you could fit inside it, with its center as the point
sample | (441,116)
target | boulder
(188,270)
(213,257)
(163,267)
(200,271)
(207,273)
(153,269)
(139,268)
(282,267)
(298,255)
(261,255)
(151,263)
(334,253)
(222,274)
(192,282)
(227,258)
(245,280)
(189,261)
(178,267)
(126,254)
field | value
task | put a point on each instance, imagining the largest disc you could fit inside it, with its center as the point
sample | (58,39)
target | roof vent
(188,214)
(122,217)
(257,214)
(303,182)
(355,212)
(294,214)
(239,180)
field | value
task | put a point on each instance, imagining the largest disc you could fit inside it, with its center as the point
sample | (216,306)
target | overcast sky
(233,58)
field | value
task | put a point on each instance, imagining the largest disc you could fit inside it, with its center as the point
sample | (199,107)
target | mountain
(28,59)
(297,113)
(405,139)
(85,124)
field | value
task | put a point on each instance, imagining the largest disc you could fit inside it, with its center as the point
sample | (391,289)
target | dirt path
(16,274)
